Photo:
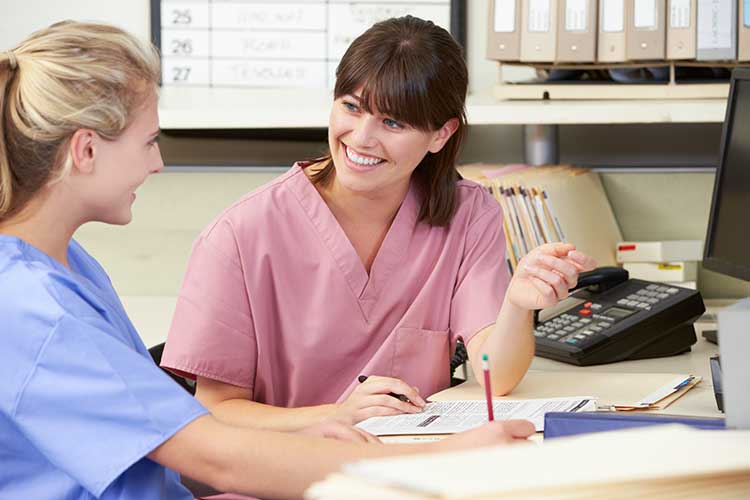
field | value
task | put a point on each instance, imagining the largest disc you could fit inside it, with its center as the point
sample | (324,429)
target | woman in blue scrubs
(84,412)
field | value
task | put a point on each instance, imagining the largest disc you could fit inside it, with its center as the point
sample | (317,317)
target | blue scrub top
(81,401)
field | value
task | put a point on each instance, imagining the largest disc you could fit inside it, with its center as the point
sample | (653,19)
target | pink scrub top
(276,299)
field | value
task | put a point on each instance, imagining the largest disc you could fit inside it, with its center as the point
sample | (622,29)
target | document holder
(558,424)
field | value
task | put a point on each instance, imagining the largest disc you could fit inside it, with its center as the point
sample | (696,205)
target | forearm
(262,463)
(246,413)
(509,347)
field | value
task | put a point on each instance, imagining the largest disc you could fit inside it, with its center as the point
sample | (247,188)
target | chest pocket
(422,358)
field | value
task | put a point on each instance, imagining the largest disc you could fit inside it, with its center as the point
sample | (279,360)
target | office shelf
(204,108)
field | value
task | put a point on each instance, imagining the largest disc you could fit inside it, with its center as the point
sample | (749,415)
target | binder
(539,31)
(558,424)
(659,251)
(743,31)
(717,30)
(681,29)
(504,30)
(611,42)
(576,29)
(645,30)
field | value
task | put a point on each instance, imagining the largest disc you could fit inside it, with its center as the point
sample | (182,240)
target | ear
(82,150)
(442,135)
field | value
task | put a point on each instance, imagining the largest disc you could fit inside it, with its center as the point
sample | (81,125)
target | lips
(359,161)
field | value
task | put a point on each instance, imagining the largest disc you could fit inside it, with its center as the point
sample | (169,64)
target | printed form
(450,417)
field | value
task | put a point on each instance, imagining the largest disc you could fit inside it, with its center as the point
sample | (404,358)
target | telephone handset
(609,318)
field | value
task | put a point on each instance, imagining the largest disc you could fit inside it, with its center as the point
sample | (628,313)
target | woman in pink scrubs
(373,260)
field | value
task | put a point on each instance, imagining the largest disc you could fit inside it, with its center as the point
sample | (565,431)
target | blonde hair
(63,78)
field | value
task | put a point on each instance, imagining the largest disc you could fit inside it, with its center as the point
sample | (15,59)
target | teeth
(361,160)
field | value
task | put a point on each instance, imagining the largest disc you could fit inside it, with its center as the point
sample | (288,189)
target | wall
(146,259)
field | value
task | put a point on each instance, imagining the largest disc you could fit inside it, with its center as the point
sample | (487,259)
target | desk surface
(615,382)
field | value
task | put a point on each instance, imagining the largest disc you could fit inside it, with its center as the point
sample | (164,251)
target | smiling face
(374,153)
(122,165)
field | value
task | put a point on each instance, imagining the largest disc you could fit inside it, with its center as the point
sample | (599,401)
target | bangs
(392,89)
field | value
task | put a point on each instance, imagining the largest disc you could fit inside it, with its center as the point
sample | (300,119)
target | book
(659,251)
(667,462)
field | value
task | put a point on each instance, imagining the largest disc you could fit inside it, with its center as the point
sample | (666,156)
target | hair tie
(12,61)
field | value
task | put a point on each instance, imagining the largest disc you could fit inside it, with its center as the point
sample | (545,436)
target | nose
(159,165)
(364,133)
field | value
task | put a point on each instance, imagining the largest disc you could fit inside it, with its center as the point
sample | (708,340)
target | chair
(156,353)
(459,359)
(197,488)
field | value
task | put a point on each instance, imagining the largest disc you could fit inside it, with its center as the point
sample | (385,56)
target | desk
(548,378)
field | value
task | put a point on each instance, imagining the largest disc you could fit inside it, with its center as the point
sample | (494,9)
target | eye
(391,123)
(154,141)
(350,106)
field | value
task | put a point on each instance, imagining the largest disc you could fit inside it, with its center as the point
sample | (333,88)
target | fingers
(519,429)
(369,438)
(375,411)
(551,279)
(561,266)
(390,402)
(583,261)
(386,385)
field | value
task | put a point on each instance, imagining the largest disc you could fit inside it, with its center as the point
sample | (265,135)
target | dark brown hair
(413,71)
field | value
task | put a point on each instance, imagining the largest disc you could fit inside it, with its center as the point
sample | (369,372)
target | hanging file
(646,30)
(504,30)
(576,29)
(611,42)
(539,31)
(681,31)
(743,31)
(717,30)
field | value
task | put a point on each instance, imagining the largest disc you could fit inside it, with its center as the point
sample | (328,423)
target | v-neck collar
(392,250)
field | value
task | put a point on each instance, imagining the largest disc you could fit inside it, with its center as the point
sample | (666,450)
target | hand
(334,429)
(544,275)
(371,399)
(492,433)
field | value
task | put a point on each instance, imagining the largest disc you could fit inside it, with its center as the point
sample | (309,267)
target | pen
(487,388)
(401,397)
(684,383)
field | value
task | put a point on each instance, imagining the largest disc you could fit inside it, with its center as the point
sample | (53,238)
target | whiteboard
(276,44)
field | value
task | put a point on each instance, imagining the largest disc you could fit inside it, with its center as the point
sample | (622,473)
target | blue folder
(559,424)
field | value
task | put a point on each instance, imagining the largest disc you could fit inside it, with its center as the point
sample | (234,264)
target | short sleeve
(482,277)
(93,406)
(212,332)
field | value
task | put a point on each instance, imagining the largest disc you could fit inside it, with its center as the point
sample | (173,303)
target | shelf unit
(201,108)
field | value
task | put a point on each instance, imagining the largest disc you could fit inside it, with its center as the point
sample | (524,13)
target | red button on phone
(588,304)
(585,312)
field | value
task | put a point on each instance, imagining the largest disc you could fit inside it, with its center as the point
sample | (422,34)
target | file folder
(743,31)
(681,29)
(504,30)
(645,30)
(559,424)
(717,30)
(539,31)
(576,30)
(611,42)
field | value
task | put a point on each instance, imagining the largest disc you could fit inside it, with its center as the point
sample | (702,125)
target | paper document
(449,417)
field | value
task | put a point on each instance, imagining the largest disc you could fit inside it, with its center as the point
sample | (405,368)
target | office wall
(147,257)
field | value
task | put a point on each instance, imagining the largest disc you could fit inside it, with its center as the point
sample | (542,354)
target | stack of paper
(665,462)
(669,262)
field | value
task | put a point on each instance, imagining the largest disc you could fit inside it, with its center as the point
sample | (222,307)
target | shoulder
(474,203)
(257,207)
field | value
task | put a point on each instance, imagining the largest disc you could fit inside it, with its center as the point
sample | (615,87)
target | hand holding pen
(379,396)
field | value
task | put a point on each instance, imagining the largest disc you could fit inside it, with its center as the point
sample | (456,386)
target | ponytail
(8,65)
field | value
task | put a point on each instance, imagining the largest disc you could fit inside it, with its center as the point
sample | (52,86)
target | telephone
(612,318)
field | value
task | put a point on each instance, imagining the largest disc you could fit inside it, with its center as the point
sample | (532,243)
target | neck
(42,224)
(380,207)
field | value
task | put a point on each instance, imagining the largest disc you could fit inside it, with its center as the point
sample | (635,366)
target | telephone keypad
(578,328)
